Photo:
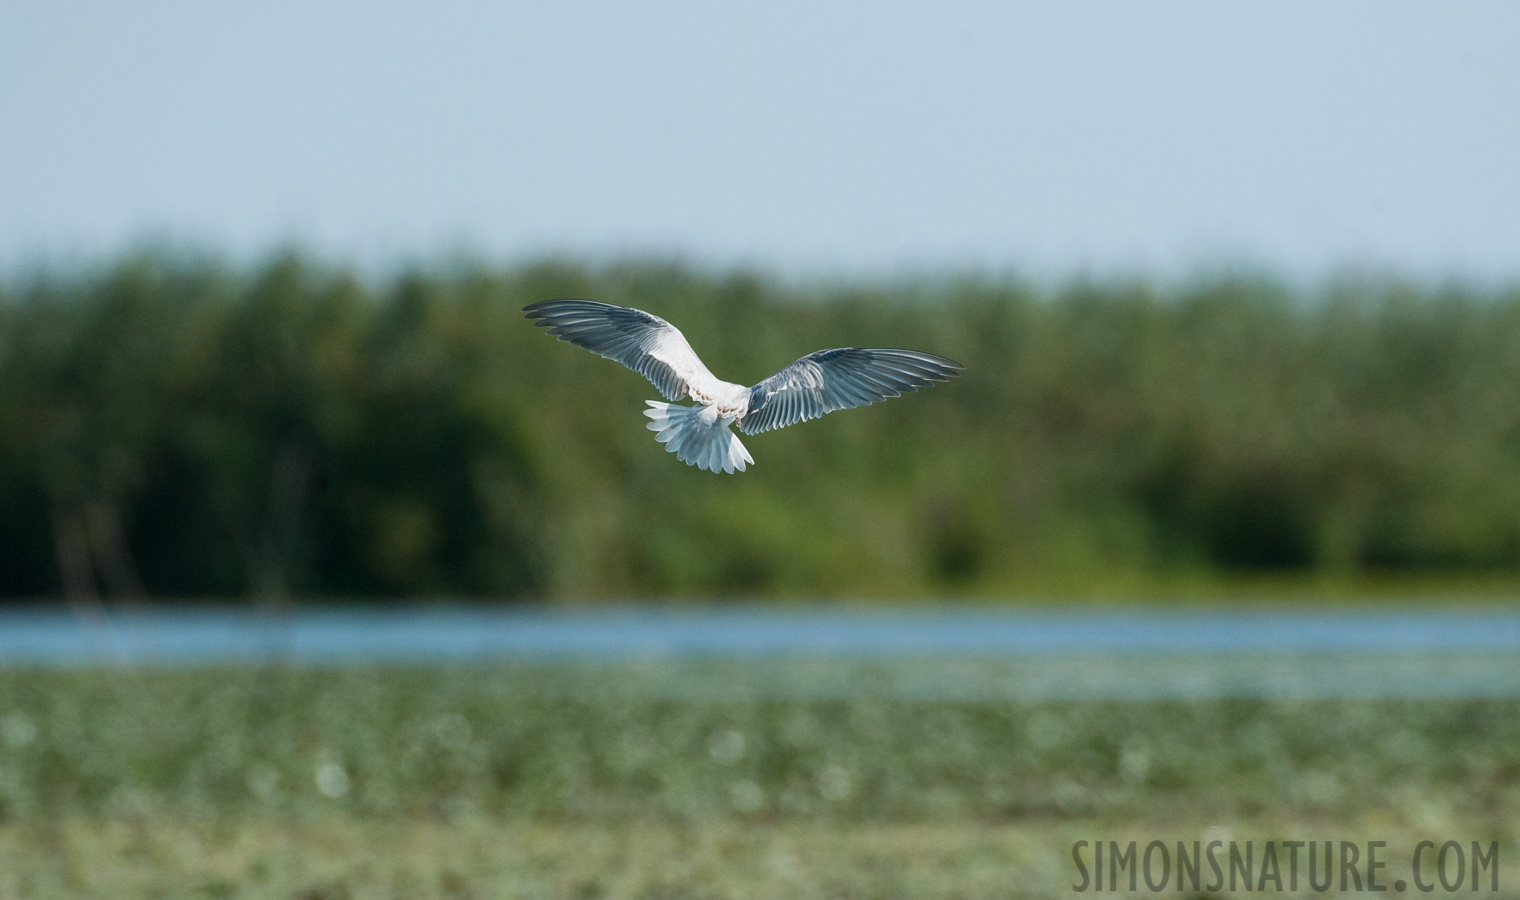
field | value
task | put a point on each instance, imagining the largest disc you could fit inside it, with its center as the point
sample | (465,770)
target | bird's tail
(695,439)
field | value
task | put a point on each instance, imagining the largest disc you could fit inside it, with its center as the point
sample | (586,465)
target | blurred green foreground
(171,427)
(564,781)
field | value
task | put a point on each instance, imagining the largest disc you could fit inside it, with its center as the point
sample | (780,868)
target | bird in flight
(700,435)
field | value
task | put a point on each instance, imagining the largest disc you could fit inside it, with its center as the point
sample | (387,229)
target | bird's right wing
(822,382)
(645,343)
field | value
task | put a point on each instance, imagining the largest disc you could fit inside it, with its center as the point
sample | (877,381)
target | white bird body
(700,435)
(726,398)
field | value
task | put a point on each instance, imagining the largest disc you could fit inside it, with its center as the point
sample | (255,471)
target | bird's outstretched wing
(645,343)
(840,379)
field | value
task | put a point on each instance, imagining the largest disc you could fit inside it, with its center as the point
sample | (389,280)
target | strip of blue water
(57,636)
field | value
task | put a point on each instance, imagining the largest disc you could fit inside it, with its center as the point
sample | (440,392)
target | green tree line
(174,426)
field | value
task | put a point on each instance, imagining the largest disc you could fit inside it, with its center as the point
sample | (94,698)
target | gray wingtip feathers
(842,378)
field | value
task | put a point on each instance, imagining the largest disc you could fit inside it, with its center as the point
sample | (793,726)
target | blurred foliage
(170,426)
(552,742)
(351,858)
(569,780)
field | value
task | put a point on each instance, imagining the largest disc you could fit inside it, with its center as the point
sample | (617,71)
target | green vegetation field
(173,426)
(176,427)
(566,781)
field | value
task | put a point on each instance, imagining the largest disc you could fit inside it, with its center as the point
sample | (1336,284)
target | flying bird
(700,435)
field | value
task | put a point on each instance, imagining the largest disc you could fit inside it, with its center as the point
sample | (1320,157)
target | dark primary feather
(620,333)
(822,382)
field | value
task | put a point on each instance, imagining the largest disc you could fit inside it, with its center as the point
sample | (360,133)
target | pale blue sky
(801,136)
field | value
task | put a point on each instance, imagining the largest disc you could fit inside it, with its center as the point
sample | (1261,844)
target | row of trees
(173,426)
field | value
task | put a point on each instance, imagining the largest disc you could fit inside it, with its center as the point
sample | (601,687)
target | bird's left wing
(822,382)
(645,343)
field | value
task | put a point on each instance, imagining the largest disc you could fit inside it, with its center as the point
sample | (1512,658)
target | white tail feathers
(697,436)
